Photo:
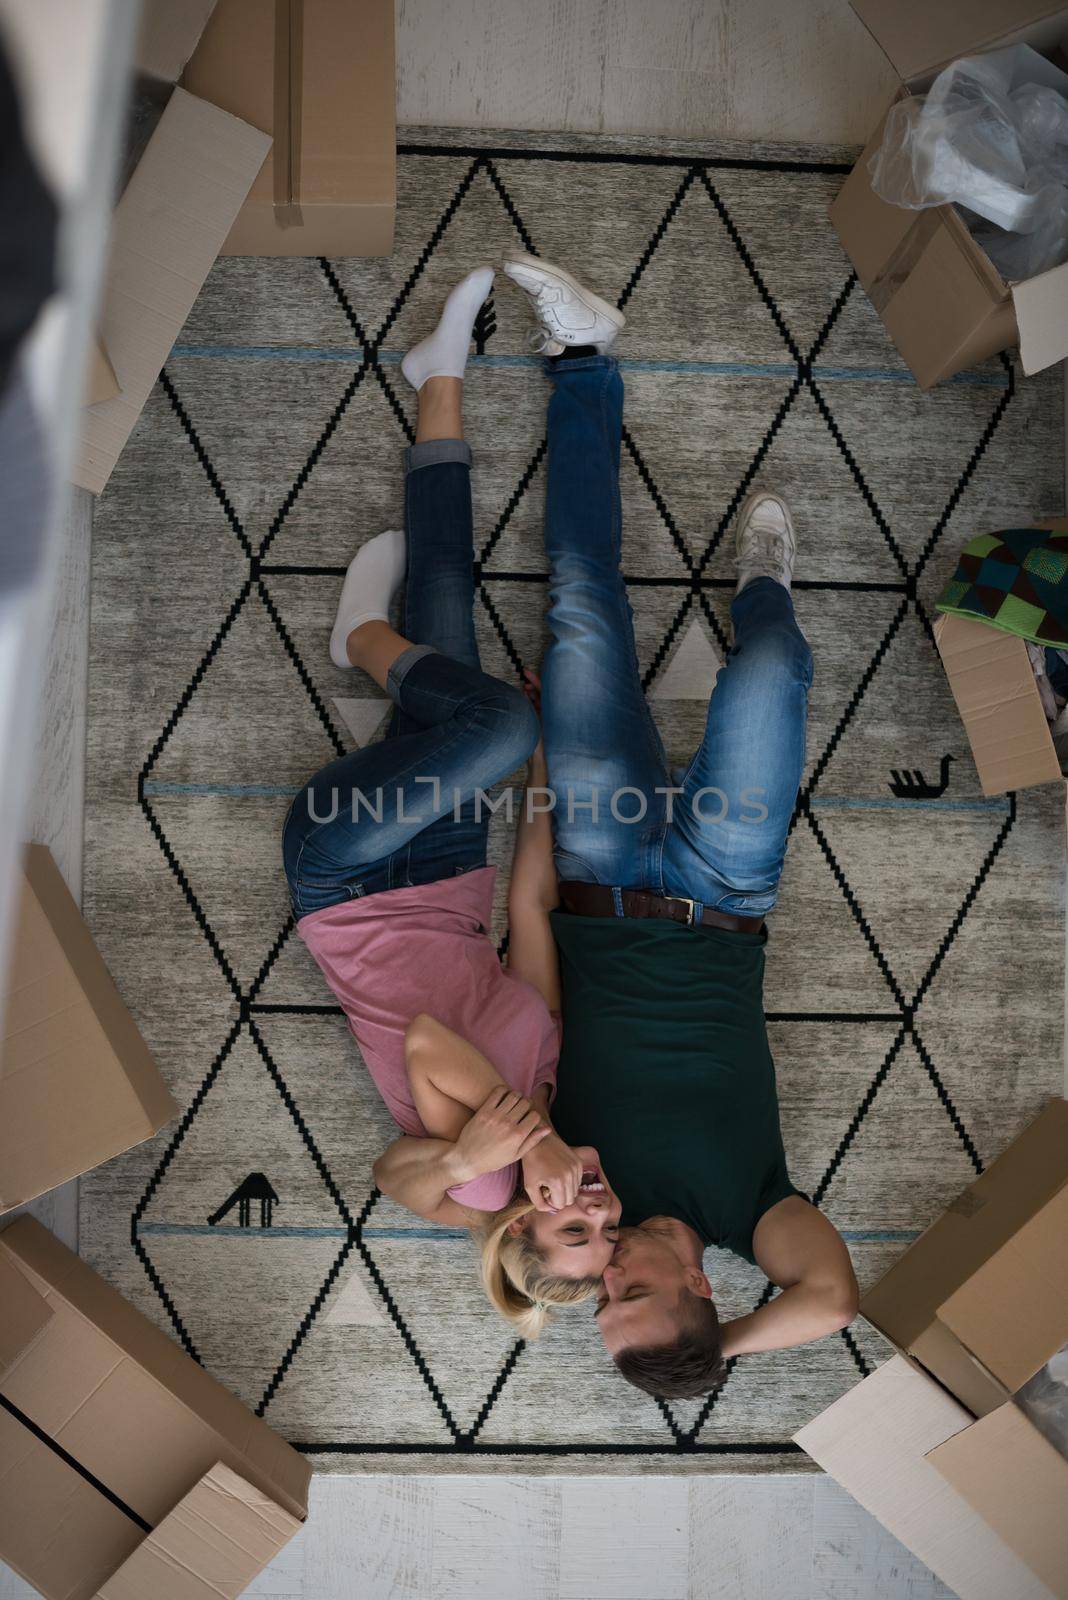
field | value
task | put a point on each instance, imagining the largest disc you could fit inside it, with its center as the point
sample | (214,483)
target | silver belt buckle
(691,908)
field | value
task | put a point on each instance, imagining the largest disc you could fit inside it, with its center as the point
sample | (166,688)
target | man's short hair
(693,1365)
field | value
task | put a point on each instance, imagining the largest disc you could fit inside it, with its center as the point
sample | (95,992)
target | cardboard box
(981,1298)
(127,1471)
(77,1082)
(168,32)
(880,1442)
(319,76)
(943,302)
(1018,1483)
(167,35)
(980,1304)
(172,218)
(998,700)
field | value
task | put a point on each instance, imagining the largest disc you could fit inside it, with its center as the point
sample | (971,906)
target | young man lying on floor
(665,1065)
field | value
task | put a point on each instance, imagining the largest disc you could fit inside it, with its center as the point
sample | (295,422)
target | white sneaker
(567,313)
(765,542)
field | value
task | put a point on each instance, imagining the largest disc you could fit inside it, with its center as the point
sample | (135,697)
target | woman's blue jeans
(414,808)
(715,832)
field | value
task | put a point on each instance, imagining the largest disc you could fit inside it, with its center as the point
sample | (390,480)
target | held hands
(551,1174)
(532,689)
(505,1128)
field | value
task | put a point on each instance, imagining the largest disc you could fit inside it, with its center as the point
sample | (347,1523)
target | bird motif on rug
(905,785)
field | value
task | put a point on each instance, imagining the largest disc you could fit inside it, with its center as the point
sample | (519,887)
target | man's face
(641,1289)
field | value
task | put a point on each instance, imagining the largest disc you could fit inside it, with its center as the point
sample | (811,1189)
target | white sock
(375,574)
(443,354)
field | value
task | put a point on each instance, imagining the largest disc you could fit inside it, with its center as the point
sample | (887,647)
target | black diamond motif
(698,589)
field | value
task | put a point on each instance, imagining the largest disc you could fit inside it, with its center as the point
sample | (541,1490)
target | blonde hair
(514,1276)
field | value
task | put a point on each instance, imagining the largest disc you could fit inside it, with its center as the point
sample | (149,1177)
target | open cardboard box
(77,1082)
(166,37)
(994,687)
(319,76)
(981,1298)
(978,1304)
(884,1440)
(169,224)
(943,302)
(128,1473)
(1016,1481)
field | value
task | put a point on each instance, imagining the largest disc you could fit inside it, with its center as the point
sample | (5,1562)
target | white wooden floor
(791,69)
(711,1538)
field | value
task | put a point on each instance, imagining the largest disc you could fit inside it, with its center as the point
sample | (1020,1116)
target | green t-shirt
(666,1071)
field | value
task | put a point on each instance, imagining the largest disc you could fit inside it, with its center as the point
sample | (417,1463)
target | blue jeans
(716,832)
(412,808)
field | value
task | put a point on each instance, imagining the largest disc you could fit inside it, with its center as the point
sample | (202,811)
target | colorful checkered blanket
(1016,580)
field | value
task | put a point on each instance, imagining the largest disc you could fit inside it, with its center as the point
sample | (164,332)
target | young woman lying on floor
(385,856)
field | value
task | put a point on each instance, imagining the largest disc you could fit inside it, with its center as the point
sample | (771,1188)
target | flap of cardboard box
(875,1441)
(100,380)
(177,209)
(992,682)
(908,1298)
(210,1547)
(871,231)
(25,1313)
(125,1401)
(921,36)
(1018,1483)
(167,35)
(77,1081)
(57,1529)
(1041,306)
(942,301)
(1012,1313)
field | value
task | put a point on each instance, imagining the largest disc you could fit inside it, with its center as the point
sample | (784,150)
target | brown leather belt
(596,900)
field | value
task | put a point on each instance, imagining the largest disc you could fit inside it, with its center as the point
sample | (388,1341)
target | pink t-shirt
(389,956)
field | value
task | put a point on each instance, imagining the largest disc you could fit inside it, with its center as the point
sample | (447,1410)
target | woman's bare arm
(475,1124)
(448,1077)
(417,1173)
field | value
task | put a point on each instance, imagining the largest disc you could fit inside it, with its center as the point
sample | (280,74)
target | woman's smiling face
(578,1241)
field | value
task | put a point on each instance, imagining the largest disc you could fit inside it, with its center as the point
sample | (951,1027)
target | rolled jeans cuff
(433,452)
(403,665)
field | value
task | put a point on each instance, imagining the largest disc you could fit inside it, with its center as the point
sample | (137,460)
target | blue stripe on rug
(836,802)
(732,369)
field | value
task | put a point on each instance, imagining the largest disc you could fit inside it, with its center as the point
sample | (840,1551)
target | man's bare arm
(533,893)
(806,1256)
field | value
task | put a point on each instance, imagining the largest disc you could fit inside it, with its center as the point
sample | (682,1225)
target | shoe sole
(746,507)
(614,316)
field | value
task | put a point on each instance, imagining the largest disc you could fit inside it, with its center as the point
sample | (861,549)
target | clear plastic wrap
(1044,1399)
(991,136)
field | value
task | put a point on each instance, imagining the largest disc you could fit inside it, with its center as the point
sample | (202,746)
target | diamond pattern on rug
(270,450)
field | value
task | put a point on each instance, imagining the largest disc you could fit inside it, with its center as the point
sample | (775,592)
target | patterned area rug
(914,984)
